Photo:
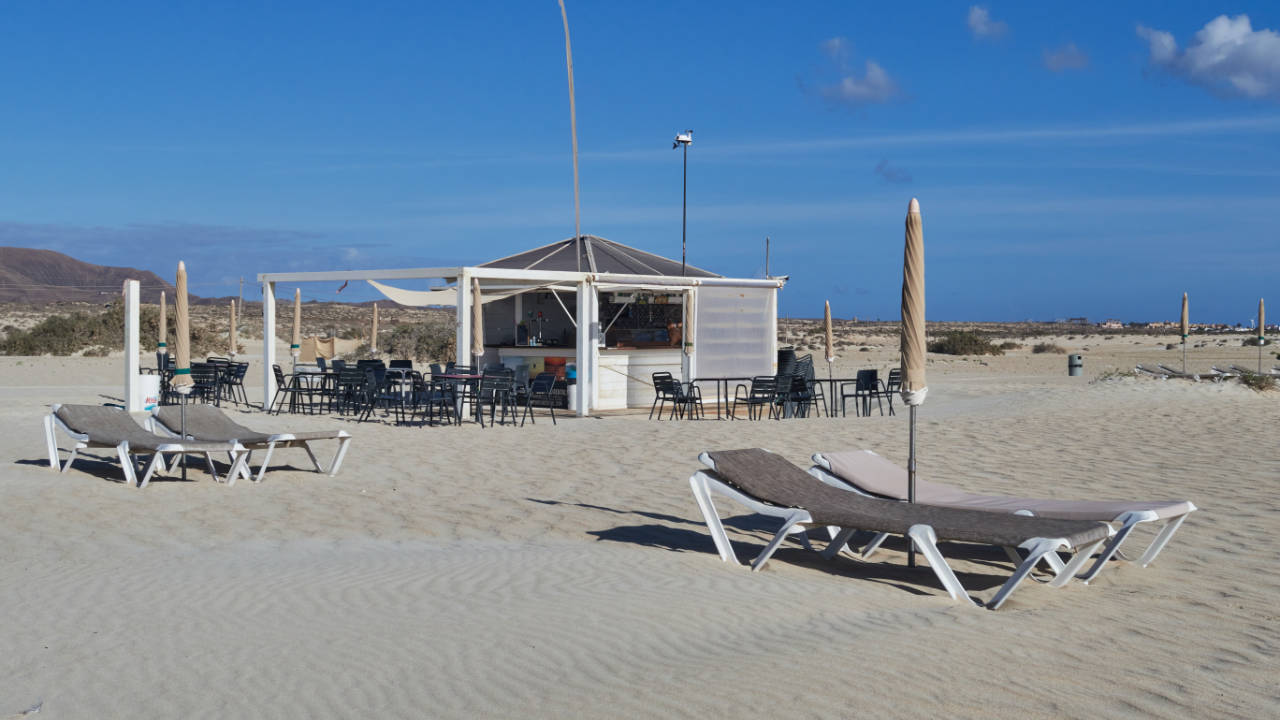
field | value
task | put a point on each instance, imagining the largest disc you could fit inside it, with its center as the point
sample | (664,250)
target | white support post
(268,343)
(515,328)
(132,381)
(584,349)
(593,314)
(773,332)
(688,363)
(462,353)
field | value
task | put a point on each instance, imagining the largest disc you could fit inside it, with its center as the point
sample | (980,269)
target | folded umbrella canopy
(182,363)
(914,385)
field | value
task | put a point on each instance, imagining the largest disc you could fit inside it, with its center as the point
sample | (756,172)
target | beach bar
(601,314)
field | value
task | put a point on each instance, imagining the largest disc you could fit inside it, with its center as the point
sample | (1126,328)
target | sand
(564,571)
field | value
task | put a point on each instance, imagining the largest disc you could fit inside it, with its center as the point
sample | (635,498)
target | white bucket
(149,390)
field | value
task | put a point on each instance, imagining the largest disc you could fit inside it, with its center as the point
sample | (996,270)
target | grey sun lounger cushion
(772,487)
(771,478)
(879,476)
(98,426)
(109,427)
(209,423)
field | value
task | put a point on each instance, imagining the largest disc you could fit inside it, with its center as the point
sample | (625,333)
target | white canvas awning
(444,297)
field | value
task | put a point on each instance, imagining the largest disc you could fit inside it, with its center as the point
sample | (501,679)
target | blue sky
(1089,159)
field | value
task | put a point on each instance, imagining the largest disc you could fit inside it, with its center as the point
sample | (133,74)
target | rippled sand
(564,571)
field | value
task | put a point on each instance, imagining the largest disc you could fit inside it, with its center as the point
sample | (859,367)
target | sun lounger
(1212,375)
(768,484)
(96,426)
(206,422)
(1238,370)
(872,475)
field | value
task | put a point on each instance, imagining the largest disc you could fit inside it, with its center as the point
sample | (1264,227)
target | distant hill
(31,275)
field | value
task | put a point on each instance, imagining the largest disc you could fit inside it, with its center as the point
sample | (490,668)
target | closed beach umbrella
(914,385)
(477,319)
(231,334)
(373,335)
(830,336)
(1262,331)
(295,345)
(182,363)
(1186,330)
(162,346)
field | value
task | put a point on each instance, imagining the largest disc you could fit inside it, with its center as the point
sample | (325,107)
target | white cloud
(1067,57)
(981,24)
(872,85)
(1226,56)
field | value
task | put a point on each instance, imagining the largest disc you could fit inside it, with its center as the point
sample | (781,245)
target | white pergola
(587,321)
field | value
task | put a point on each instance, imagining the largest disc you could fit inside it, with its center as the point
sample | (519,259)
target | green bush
(431,340)
(1257,381)
(1048,348)
(97,334)
(964,342)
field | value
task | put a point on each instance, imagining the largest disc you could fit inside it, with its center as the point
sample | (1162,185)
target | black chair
(337,364)
(351,393)
(892,386)
(286,391)
(204,377)
(496,389)
(540,392)
(865,387)
(233,383)
(761,394)
(401,365)
(320,363)
(683,399)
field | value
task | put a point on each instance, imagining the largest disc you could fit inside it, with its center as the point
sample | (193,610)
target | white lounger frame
(923,537)
(1126,520)
(280,440)
(239,454)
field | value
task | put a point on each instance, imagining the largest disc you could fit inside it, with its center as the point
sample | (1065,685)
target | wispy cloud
(1067,57)
(854,88)
(1213,126)
(1227,56)
(892,174)
(982,25)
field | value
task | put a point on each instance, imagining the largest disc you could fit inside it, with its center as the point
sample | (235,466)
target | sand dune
(564,571)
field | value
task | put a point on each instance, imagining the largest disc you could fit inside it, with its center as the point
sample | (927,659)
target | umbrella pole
(911,483)
(1184,353)
(183,414)
(831,385)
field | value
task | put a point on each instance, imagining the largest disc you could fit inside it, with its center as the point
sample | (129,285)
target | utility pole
(766,257)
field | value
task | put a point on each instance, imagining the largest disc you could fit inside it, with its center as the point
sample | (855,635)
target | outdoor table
(457,396)
(310,382)
(718,382)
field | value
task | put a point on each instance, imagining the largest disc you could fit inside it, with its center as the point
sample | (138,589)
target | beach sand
(564,571)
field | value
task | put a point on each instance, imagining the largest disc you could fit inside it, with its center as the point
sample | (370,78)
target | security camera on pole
(684,139)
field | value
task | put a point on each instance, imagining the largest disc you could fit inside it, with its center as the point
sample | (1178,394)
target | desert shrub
(1115,374)
(431,340)
(1045,347)
(1254,342)
(1257,381)
(97,334)
(964,342)
(1009,345)
(1170,346)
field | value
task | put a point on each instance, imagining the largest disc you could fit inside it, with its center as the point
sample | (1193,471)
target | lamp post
(684,139)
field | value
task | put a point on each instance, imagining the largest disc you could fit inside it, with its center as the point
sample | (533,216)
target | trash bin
(1075,365)
(571,389)
(149,388)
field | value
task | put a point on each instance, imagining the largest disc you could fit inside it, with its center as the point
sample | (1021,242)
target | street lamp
(684,139)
